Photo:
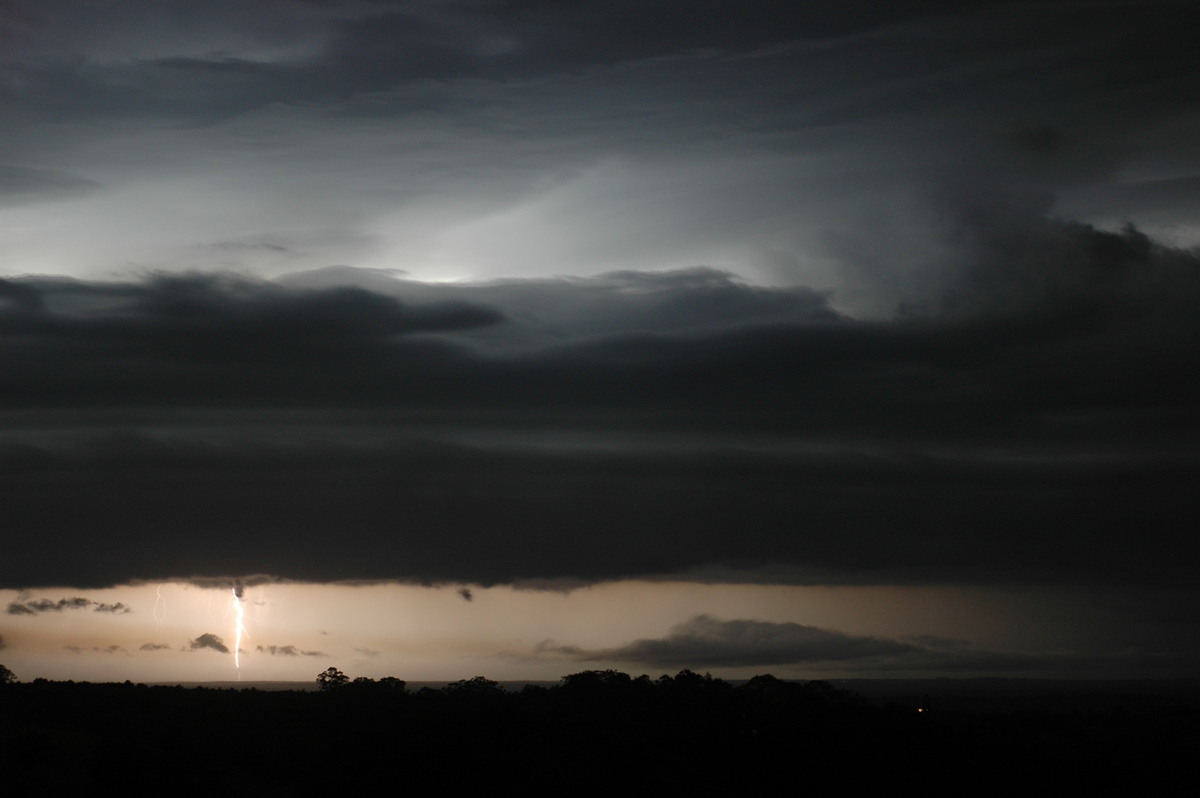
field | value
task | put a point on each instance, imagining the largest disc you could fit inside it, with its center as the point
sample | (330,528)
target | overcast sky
(555,309)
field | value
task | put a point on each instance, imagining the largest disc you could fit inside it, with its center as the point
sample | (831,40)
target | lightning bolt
(239,627)
(158,601)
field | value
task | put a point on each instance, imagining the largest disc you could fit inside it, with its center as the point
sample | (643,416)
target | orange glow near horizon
(421,633)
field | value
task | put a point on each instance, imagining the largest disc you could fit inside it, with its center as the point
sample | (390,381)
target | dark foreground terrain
(595,731)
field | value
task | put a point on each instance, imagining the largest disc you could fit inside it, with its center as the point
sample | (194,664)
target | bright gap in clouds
(174,631)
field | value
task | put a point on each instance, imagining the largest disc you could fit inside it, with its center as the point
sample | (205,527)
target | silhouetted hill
(595,730)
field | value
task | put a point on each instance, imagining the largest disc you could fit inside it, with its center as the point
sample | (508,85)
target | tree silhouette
(476,687)
(392,683)
(597,684)
(596,678)
(7,676)
(331,679)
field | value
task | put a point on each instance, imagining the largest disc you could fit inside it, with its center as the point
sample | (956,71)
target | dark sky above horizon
(548,294)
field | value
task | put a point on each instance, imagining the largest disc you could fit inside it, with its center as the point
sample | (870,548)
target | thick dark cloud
(597,506)
(206,62)
(538,313)
(208,640)
(20,296)
(200,339)
(974,390)
(1031,422)
(1033,325)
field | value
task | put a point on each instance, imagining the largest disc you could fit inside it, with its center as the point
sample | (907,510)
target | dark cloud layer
(199,339)
(947,379)
(242,56)
(430,511)
(1032,422)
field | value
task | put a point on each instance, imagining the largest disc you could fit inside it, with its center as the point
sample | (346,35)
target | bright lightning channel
(159,617)
(239,628)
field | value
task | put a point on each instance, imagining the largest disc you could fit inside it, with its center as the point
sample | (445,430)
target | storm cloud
(1029,422)
(823,144)
(547,294)
(871,293)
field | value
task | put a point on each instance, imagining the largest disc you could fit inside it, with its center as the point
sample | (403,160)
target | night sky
(818,338)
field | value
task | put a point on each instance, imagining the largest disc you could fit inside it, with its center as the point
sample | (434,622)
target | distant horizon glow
(295,630)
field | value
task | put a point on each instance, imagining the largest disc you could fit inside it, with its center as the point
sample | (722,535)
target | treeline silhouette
(598,730)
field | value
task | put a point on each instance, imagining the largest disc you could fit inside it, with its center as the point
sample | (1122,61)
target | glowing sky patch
(418,633)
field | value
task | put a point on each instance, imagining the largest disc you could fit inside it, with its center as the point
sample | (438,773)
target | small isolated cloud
(209,640)
(113,649)
(549,647)
(466,594)
(288,651)
(707,641)
(153,647)
(366,652)
(38,606)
